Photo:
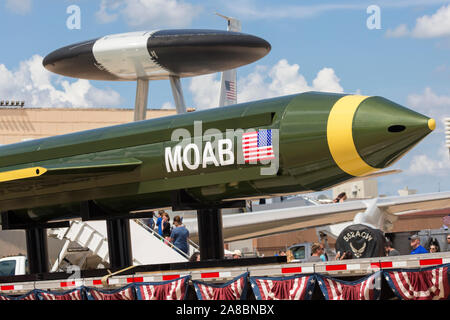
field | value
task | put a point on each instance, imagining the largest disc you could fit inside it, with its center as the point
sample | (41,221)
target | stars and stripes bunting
(28,296)
(257,145)
(420,284)
(166,290)
(298,287)
(235,289)
(367,288)
(75,294)
(125,293)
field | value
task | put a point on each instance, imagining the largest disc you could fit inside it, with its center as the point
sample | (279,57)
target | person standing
(166,230)
(237,254)
(448,242)
(415,245)
(434,248)
(179,235)
(159,222)
(389,250)
(316,251)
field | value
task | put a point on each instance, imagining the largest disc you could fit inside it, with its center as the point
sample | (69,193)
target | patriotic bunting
(298,287)
(125,293)
(27,296)
(75,294)
(432,283)
(167,290)
(235,289)
(368,288)
(423,284)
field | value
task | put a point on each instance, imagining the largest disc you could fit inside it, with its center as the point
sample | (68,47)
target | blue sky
(316,45)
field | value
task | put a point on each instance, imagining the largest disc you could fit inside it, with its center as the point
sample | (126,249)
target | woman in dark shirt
(166,226)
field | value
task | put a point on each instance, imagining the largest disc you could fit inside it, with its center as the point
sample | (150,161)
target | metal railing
(171,245)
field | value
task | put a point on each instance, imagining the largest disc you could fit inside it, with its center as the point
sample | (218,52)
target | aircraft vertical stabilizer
(228,86)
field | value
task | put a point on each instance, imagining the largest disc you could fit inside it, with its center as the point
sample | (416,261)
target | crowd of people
(175,234)
(318,251)
(432,246)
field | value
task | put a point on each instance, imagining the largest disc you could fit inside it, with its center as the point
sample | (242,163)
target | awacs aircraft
(306,142)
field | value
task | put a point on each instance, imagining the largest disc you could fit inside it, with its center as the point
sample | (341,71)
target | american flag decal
(230,90)
(257,145)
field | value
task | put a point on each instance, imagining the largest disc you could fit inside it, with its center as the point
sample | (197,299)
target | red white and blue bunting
(367,288)
(298,287)
(420,284)
(27,296)
(166,290)
(432,283)
(235,289)
(75,294)
(125,293)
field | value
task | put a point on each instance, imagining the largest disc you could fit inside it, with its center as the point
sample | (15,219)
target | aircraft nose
(381,133)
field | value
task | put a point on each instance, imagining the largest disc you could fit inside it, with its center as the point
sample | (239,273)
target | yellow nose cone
(431,124)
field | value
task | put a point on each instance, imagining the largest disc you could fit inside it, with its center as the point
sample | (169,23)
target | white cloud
(431,104)
(19,6)
(400,31)
(167,105)
(282,79)
(436,25)
(205,91)
(327,81)
(251,9)
(148,13)
(425,165)
(35,85)
(104,14)
(427,26)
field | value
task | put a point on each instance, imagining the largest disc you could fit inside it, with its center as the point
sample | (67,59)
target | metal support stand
(209,220)
(210,234)
(36,238)
(118,233)
(119,243)
(177,93)
(140,105)
(37,250)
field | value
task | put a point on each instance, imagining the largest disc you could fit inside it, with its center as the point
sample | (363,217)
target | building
(21,124)
(360,189)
